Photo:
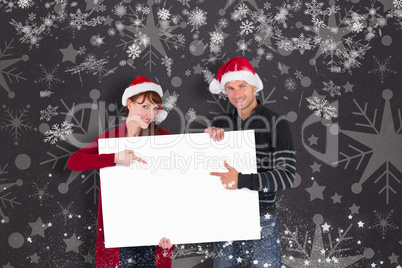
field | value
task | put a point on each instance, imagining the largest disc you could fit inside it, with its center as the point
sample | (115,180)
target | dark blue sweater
(276,163)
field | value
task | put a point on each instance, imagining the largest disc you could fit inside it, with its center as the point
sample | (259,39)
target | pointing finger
(216,173)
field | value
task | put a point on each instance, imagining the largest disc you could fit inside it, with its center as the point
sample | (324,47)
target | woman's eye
(145,106)
(156,108)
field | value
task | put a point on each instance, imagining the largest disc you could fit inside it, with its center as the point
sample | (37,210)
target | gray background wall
(331,67)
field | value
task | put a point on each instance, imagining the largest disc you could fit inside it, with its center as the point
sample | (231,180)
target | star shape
(283,68)
(316,191)
(73,243)
(8,265)
(197,69)
(315,167)
(348,87)
(38,228)
(69,53)
(354,209)
(360,223)
(34,258)
(393,258)
(325,227)
(313,140)
(336,198)
(88,258)
(108,21)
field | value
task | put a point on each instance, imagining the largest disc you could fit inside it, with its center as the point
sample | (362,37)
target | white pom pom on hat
(237,68)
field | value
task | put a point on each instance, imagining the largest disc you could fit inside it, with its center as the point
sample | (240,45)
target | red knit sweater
(88,158)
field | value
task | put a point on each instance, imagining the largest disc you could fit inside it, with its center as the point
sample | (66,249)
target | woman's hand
(215,133)
(165,243)
(127,157)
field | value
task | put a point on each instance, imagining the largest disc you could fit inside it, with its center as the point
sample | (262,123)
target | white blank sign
(173,195)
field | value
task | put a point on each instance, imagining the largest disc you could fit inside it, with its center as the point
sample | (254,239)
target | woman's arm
(88,158)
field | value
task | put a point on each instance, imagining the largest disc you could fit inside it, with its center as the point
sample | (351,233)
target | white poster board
(173,195)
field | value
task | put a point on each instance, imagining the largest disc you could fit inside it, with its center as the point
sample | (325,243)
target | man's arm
(283,171)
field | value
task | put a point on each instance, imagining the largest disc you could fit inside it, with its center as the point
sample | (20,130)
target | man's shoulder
(224,120)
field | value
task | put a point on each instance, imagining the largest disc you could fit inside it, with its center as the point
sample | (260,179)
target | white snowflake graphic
(216,38)
(134,51)
(246,27)
(48,113)
(120,10)
(164,14)
(332,88)
(58,132)
(25,3)
(197,18)
(322,108)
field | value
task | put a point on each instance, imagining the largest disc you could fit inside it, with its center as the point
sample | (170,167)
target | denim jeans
(142,257)
(265,252)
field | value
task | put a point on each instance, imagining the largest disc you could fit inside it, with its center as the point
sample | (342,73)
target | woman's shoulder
(164,131)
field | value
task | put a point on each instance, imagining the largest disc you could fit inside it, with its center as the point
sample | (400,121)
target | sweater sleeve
(283,165)
(88,158)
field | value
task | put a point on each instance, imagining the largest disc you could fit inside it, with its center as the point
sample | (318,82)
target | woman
(142,100)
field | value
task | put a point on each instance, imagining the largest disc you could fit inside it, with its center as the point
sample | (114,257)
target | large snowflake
(16,122)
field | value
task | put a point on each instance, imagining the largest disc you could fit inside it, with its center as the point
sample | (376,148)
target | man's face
(241,94)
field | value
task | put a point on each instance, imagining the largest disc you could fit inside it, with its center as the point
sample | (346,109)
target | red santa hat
(237,68)
(143,84)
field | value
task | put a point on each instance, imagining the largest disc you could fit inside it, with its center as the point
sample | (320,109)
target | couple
(275,165)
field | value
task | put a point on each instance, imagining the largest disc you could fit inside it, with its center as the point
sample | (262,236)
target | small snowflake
(216,38)
(290,84)
(120,10)
(332,88)
(187,73)
(134,51)
(164,14)
(397,4)
(191,114)
(197,18)
(223,23)
(322,108)
(246,27)
(48,113)
(25,3)
(170,102)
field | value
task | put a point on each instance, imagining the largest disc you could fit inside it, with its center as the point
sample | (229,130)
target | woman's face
(142,111)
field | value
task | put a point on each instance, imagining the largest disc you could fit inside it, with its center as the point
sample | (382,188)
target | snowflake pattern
(16,122)
(48,113)
(332,88)
(322,108)
(58,132)
(197,18)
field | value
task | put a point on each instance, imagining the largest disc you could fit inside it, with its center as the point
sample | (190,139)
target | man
(276,164)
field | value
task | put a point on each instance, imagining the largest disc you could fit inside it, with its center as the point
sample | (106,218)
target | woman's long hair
(153,128)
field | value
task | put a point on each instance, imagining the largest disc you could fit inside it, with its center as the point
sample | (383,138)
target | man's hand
(127,157)
(229,179)
(215,133)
